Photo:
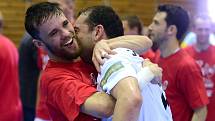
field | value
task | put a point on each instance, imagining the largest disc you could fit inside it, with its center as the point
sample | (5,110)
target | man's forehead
(81,20)
(54,20)
(200,21)
(160,16)
(51,23)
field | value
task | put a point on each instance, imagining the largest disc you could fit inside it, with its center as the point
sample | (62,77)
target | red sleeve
(192,85)
(39,59)
(69,93)
(41,109)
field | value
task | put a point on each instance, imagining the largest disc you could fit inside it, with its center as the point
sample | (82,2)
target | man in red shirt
(185,91)
(10,104)
(203,53)
(67,88)
(62,92)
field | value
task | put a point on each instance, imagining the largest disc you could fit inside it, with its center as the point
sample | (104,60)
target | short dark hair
(177,16)
(105,16)
(134,21)
(38,14)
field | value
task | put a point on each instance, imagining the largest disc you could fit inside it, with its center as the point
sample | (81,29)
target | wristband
(144,77)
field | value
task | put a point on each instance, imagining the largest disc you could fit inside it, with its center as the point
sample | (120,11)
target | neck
(202,46)
(87,56)
(169,47)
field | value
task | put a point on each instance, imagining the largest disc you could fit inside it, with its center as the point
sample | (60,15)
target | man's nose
(66,32)
(150,27)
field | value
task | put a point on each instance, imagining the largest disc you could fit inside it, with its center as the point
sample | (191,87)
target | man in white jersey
(91,23)
(128,63)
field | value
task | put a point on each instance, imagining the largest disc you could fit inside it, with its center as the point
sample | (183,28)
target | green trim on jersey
(115,67)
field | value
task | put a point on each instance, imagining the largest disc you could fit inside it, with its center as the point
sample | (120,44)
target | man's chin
(155,46)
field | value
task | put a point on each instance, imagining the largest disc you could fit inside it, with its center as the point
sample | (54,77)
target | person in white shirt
(128,63)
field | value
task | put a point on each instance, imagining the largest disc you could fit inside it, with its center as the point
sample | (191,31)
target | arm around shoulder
(137,43)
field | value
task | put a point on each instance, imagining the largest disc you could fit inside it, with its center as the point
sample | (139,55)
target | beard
(63,53)
(155,46)
(87,45)
(157,41)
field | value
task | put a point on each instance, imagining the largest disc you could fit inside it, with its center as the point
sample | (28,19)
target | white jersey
(127,63)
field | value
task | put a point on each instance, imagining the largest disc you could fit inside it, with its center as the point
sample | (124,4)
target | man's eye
(53,33)
(65,23)
(156,23)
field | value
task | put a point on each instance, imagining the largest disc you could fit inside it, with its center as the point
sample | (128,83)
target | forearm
(129,100)
(200,114)
(99,105)
(137,43)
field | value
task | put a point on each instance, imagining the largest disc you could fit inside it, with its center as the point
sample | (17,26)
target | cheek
(160,31)
(82,40)
(56,42)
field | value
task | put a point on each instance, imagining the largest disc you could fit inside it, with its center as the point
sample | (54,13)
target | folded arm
(128,100)
(99,105)
(137,43)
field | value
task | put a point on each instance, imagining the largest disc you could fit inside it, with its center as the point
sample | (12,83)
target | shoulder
(187,64)
(188,48)
(212,47)
(58,73)
(125,52)
(7,48)
(53,73)
(58,79)
(123,55)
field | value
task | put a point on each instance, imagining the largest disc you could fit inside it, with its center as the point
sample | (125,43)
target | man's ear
(172,29)
(39,44)
(99,32)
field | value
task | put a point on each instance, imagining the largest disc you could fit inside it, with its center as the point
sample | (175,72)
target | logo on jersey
(115,67)
(208,72)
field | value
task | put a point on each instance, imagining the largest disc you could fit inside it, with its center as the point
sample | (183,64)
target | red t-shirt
(206,60)
(185,91)
(148,54)
(10,103)
(151,55)
(64,87)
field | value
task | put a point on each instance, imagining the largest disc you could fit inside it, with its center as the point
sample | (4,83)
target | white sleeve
(114,69)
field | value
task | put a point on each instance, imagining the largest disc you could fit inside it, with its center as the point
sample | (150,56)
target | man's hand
(149,73)
(100,51)
(155,69)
